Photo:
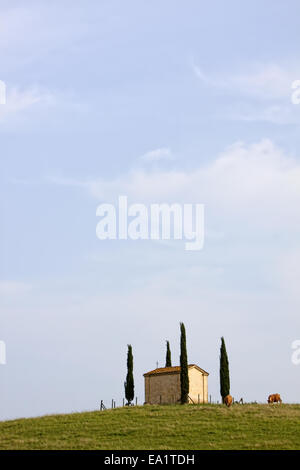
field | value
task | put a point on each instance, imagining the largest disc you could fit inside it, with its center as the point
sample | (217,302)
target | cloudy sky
(172,101)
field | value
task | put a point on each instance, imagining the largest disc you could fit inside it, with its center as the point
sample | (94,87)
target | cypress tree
(184,374)
(224,371)
(129,384)
(168,356)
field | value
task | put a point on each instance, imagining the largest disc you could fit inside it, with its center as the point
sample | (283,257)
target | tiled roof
(172,370)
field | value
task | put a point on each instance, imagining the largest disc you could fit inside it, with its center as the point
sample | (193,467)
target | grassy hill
(160,427)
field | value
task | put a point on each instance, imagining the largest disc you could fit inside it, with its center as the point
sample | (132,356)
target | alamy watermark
(2,92)
(2,353)
(296,354)
(153,222)
(295,98)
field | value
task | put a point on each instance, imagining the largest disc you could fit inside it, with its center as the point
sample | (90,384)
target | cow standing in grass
(274,398)
(228,400)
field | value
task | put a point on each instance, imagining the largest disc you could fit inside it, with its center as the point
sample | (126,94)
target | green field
(177,427)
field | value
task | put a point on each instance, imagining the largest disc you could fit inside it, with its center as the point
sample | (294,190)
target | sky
(164,102)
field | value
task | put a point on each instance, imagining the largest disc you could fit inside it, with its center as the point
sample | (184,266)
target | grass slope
(160,427)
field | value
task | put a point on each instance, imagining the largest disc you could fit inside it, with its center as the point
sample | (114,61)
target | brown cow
(228,400)
(274,398)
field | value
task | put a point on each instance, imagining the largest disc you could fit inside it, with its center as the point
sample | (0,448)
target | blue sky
(164,102)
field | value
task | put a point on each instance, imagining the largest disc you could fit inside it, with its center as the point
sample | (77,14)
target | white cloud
(18,101)
(263,81)
(200,74)
(257,184)
(269,81)
(163,153)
